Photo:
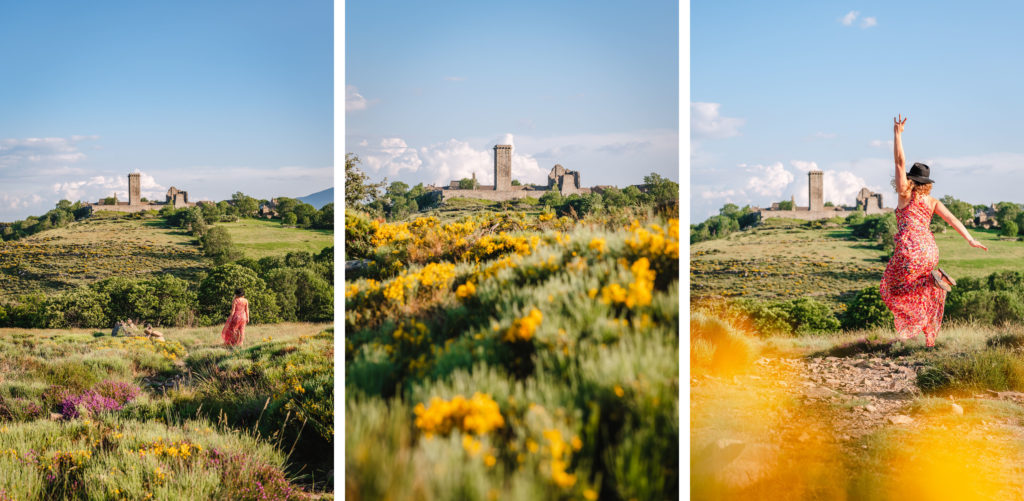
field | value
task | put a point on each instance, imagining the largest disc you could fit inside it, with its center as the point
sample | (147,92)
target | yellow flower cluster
(493,245)
(434,275)
(386,233)
(560,456)
(598,244)
(479,415)
(546,216)
(465,290)
(637,293)
(177,449)
(655,241)
(523,328)
(351,290)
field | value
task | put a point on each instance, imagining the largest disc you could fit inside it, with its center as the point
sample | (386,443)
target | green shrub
(81,307)
(217,245)
(766,318)
(808,316)
(985,306)
(867,310)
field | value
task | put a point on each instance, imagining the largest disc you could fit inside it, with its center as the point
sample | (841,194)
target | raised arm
(944,213)
(901,162)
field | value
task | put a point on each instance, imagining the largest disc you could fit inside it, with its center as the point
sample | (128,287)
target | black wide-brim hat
(919,172)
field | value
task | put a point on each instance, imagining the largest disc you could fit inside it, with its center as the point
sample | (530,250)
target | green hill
(112,244)
(786,260)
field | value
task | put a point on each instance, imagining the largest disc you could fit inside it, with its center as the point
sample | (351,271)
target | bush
(867,310)
(217,245)
(358,233)
(807,316)
(551,198)
(217,290)
(766,318)
(986,306)
(82,307)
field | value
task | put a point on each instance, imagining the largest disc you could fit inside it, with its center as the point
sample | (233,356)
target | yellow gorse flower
(523,328)
(478,415)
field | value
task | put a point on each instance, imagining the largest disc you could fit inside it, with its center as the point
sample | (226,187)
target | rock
(54,416)
(870,408)
(819,392)
(957,409)
(900,419)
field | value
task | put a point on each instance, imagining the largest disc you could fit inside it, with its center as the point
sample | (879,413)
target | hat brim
(921,179)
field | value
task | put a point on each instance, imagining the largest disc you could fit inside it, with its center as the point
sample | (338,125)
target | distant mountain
(320,198)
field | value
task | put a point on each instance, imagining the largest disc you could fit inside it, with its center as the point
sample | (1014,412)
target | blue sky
(779,88)
(210,97)
(431,87)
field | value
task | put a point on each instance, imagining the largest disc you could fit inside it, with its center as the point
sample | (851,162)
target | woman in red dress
(234,330)
(912,286)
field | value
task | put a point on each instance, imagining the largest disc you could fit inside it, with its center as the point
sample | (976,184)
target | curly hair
(912,187)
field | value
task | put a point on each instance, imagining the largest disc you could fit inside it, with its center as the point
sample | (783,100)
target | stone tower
(815,188)
(503,167)
(134,189)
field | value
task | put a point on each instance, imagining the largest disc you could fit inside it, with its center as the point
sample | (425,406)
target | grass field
(90,416)
(258,238)
(783,260)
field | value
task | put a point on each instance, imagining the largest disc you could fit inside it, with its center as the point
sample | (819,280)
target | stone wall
(814,215)
(497,196)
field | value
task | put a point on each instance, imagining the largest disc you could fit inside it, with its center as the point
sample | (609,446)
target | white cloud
(879,143)
(825,135)
(364,143)
(711,194)
(849,18)
(454,159)
(392,156)
(707,123)
(803,166)
(354,101)
(455,79)
(768,180)
(37,152)
(868,22)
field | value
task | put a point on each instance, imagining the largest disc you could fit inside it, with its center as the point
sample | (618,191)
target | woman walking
(233,333)
(912,286)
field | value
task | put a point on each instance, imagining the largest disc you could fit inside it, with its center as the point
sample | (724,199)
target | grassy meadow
(513,356)
(257,238)
(90,416)
(755,432)
(87,415)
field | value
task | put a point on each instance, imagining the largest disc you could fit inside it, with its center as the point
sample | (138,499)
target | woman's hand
(897,127)
(975,243)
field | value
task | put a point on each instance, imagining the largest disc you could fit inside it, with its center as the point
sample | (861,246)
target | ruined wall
(809,215)
(497,196)
(815,190)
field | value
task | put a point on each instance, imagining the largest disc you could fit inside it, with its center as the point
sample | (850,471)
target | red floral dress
(234,330)
(907,287)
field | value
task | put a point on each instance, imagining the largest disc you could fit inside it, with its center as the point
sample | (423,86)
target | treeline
(61,215)
(398,200)
(295,287)
(730,219)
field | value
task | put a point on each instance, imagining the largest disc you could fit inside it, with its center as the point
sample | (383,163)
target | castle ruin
(175,198)
(868,202)
(566,182)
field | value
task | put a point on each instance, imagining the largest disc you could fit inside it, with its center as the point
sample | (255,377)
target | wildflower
(590,494)
(523,328)
(618,391)
(598,244)
(490,460)
(465,290)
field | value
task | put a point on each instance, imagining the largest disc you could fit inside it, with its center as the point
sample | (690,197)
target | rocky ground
(822,408)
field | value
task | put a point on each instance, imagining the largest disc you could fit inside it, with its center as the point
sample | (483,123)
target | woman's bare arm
(944,213)
(901,162)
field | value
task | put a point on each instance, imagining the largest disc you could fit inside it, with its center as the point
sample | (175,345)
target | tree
(246,205)
(730,210)
(613,197)
(1006,212)
(661,189)
(218,246)
(467,183)
(358,190)
(962,210)
(1008,229)
(515,182)
(786,205)
(217,290)
(289,219)
(551,198)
